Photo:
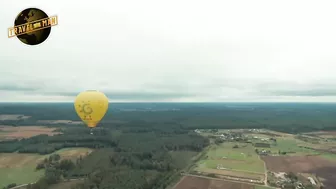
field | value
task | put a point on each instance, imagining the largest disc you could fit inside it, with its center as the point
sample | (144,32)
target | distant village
(238,136)
(262,147)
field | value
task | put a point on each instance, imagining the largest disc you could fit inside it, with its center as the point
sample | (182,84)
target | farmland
(241,159)
(231,160)
(299,164)
(73,153)
(13,117)
(8,133)
(239,155)
(316,165)
(157,140)
(20,168)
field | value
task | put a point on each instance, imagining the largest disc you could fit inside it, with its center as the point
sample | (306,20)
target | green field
(331,157)
(291,145)
(21,175)
(287,144)
(72,153)
(20,168)
(243,158)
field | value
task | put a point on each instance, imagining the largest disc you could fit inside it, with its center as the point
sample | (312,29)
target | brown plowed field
(304,164)
(323,133)
(298,164)
(327,132)
(9,132)
(189,182)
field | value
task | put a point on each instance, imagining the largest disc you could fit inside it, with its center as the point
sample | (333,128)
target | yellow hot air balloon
(91,107)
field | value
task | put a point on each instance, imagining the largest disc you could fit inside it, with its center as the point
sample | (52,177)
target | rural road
(191,175)
(23,185)
(265,181)
(265,173)
(231,180)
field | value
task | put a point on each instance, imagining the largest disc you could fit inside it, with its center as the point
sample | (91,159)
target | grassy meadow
(242,158)
(19,168)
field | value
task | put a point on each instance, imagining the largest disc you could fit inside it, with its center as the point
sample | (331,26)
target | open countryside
(21,168)
(9,132)
(167,146)
(258,158)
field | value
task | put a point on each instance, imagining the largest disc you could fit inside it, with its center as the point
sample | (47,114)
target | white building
(312,181)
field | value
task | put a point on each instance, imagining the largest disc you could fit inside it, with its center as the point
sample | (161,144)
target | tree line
(291,118)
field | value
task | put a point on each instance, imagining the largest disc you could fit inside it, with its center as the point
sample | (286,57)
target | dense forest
(142,157)
(286,117)
(121,160)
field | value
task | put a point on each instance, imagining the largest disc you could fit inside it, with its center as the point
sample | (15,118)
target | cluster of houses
(264,139)
(263,152)
(255,130)
(284,180)
(206,130)
(197,131)
(226,136)
(231,136)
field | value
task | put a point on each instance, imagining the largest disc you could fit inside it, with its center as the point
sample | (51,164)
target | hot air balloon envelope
(91,107)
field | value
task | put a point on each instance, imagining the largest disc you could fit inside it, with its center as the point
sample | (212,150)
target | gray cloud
(134,95)
(18,88)
(156,94)
(215,89)
(227,53)
(321,88)
(308,92)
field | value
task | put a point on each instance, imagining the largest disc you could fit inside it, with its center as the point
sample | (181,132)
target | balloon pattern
(91,106)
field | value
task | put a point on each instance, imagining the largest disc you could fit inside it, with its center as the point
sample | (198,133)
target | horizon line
(177,102)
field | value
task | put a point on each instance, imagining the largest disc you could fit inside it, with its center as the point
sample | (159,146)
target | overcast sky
(176,50)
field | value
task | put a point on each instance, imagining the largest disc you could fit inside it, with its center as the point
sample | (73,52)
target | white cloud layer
(178,50)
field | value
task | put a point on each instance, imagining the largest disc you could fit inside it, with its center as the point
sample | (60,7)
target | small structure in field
(312,181)
(220,167)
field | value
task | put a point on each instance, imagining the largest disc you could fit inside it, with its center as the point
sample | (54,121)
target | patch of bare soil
(59,122)
(4,117)
(9,132)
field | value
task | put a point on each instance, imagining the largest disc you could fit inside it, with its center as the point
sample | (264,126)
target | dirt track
(189,182)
